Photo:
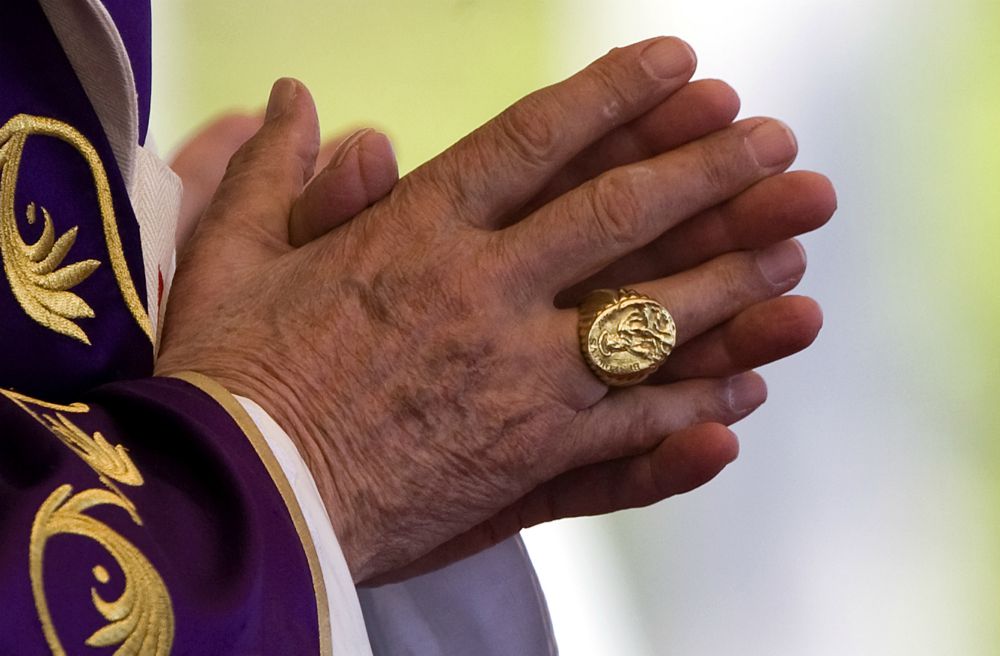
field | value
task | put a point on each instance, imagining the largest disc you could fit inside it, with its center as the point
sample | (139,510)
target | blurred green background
(863,516)
(427,72)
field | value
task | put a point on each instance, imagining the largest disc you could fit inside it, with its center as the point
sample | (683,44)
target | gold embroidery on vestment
(111,463)
(40,285)
(141,619)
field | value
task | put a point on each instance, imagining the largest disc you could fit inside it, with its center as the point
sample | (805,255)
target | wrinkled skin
(420,345)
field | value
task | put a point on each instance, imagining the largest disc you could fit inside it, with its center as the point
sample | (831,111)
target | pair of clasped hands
(417,337)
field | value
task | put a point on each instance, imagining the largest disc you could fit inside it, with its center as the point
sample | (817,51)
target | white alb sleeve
(346,621)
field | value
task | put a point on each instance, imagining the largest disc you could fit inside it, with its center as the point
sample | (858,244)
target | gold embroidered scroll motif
(39,282)
(141,619)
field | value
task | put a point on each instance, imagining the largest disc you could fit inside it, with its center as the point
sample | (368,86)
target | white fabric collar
(95,49)
(98,55)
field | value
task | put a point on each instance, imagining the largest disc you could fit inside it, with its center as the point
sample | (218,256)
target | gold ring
(625,336)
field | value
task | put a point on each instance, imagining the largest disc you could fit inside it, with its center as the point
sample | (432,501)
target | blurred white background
(860,518)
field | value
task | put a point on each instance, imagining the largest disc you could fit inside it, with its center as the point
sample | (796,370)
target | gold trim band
(222,396)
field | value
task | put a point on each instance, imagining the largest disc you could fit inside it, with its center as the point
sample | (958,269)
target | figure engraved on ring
(625,335)
(644,332)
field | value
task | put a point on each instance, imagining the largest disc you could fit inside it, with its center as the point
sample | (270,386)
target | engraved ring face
(625,336)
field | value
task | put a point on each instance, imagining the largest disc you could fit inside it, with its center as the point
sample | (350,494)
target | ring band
(625,336)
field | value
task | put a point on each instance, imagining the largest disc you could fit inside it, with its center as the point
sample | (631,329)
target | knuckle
(716,404)
(438,194)
(615,206)
(645,425)
(716,168)
(732,280)
(738,281)
(709,400)
(244,156)
(529,132)
(613,84)
(253,159)
(275,155)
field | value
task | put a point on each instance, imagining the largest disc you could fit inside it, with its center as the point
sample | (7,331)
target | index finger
(505,162)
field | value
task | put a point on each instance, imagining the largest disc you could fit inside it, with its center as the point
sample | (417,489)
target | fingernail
(771,143)
(345,147)
(782,263)
(282,94)
(746,392)
(392,150)
(667,58)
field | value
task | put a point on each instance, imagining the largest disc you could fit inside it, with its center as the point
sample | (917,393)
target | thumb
(267,173)
(362,171)
(201,162)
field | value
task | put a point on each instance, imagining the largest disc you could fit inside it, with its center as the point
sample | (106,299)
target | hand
(361,169)
(415,354)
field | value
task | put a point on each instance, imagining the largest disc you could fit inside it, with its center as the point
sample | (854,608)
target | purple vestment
(136,514)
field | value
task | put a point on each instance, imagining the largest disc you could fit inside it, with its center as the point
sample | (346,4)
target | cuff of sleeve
(341,623)
(346,621)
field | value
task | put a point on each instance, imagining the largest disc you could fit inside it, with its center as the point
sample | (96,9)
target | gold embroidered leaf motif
(58,250)
(46,241)
(141,619)
(40,285)
(44,256)
(111,461)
